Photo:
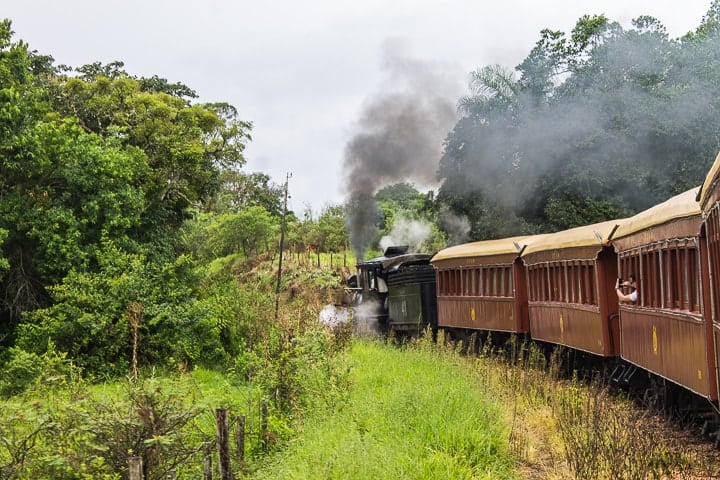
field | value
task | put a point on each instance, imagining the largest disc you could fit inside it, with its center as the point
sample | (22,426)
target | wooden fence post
(207,461)
(240,438)
(223,443)
(135,468)
(265,426)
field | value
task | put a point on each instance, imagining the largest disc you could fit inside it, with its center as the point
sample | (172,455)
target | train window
(546,285)
(574,284)
(557,274)
(686,280)
(644,284)
(693,282)
(539,284)
(590,279)
(532,283)
(502,291)
(501,282)
(678,268)
(656,279)
(669,277)
(494,281)
(577,282)
(658,283)
(472,279)
(511,282)
(507,284)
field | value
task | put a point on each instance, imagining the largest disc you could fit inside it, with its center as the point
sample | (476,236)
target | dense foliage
(122,198)
(130,238)
(124,220)
(594,125)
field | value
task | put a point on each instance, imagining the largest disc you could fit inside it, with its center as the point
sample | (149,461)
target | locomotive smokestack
(399,139)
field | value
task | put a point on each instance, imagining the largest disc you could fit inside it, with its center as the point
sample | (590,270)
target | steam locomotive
(559,289)
(396,292)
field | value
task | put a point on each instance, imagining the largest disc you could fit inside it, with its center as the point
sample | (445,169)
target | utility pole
(282,240)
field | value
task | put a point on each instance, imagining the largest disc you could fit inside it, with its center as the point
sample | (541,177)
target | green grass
(411,413)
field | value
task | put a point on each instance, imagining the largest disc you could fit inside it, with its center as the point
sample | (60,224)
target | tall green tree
(239,190)
(601,123)
(187,145)
(332,232)
(61,189)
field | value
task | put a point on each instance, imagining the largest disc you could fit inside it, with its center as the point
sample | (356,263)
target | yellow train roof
(679,206)
(709,179)
(482,248)
(585,236)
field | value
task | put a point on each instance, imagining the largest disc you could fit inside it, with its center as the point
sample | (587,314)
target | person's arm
(621,296)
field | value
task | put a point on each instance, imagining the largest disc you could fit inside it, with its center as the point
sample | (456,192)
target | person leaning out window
(628,286)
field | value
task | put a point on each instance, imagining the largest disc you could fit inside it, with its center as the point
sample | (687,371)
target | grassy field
(411,413)
(423,411)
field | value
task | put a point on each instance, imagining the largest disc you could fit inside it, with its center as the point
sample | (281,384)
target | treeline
(596,124)
(117,194)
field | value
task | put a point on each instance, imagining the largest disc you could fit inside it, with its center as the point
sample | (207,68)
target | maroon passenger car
(571,295)
(664,331)
(481,286)
(709,198)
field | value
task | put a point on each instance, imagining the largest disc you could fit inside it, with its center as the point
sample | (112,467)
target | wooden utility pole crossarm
(282,241)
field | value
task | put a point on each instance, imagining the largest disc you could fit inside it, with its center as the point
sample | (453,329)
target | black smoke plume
(399,138)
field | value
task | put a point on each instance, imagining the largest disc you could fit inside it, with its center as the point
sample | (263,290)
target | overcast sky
(304,71)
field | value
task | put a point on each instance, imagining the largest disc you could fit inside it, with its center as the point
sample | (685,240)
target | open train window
(668,275)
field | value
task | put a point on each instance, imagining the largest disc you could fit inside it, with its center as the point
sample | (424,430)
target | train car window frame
(667,273)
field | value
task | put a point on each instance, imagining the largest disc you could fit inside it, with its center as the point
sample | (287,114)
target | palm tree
(492,88)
